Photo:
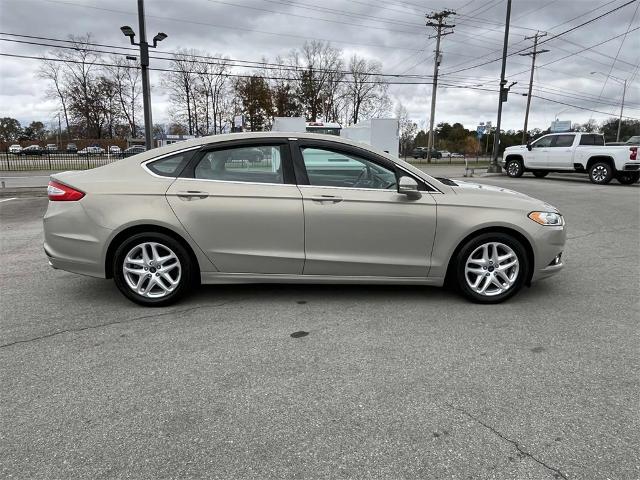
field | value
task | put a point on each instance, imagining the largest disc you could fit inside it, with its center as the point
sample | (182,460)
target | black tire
(465,252)
(514,168)
(187,273)
(540,173)
(600,173)
(628,178)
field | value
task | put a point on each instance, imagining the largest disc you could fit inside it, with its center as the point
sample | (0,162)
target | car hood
(491,195)
(516,147)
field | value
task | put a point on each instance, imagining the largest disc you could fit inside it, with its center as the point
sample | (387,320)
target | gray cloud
(217,27)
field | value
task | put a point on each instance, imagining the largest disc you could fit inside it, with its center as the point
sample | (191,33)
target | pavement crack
(116,322)
(518,447)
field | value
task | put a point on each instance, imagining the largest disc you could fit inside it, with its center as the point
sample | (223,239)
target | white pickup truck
(574,152)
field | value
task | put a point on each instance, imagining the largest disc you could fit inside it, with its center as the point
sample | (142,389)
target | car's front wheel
(628,178)
(152,269)
(491,268)
(514,168)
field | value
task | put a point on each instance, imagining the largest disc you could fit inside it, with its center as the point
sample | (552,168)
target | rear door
(239,202)
(356,222)
(560,153)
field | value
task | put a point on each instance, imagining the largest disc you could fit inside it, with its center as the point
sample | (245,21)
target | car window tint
(543,142)
(327,168)
(563,140)
(170,166)
(256,164)
(587,140)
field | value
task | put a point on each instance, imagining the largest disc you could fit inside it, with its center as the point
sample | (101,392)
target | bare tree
(52,71)
(128,89)
(367,91)
(181,82)
(317,67)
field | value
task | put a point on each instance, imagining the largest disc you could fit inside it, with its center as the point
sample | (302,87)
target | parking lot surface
(388,382)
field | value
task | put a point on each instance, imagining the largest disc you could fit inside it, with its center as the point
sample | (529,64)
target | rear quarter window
(170,166)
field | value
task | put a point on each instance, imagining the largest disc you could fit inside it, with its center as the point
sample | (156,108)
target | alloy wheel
(491,269)
(513,168)
(600,173)
(152,270)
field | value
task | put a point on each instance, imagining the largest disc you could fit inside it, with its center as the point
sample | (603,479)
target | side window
(256,164)
(327,168)
(543,142)
(563,140)
(170,166)
(598,140)
(587,140)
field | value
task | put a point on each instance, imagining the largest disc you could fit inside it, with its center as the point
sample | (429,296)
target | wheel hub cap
(152,270)
(491,269)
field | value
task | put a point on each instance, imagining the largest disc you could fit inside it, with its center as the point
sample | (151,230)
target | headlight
(547,218)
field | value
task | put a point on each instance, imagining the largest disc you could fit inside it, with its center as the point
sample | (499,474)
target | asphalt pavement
(383,382)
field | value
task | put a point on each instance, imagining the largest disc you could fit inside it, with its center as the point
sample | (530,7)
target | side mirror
(409,187)
(529,147)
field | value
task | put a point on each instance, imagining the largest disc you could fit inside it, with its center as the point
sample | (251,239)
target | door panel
(241,209)
(247,228)
(561,152)
(367,232)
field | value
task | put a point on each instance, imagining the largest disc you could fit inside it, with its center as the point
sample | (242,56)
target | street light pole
(144,66)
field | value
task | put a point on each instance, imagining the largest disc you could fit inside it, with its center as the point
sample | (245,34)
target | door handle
(326,199)
(192,195)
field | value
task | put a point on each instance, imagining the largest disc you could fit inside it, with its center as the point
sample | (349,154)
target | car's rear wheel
(491,268)
(152,269)
(514,168)
(540,173)
(600,173)
(628,178)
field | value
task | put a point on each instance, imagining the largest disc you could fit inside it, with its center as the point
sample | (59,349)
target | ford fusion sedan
(312,208)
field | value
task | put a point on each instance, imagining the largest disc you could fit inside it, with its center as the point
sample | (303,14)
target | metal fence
(450,160)
(54,161)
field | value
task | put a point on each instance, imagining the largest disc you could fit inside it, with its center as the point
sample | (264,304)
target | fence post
(49,159)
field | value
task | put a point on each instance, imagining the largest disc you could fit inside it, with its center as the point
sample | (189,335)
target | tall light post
(144,65)
(623,81)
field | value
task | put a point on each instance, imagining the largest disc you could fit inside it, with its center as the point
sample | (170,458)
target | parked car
(421,152)
(32,150)
(574,152)
(635,140)
(51,147)
(115,150)
(15,148)
(445,153)
(136,149)
(91,151)
(457,155)
(318,210)
(72,148)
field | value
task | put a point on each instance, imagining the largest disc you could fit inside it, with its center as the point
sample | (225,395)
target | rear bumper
(631,167)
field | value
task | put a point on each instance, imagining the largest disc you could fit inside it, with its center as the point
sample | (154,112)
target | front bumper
(549,245)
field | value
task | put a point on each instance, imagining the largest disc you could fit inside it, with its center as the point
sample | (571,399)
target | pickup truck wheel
(514,168)
(628,178)
(600,173)
(540,174)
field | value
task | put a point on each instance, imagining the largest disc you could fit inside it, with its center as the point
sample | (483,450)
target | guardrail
(54,161)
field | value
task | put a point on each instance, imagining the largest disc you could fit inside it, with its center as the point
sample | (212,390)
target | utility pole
(436,20)
(144,66)
(533,66)
(493,165)
(624,91)
(59,133)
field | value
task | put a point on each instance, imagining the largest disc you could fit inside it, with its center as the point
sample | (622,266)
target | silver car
(311,208)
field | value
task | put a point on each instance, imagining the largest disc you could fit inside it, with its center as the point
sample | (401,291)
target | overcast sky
(392,32)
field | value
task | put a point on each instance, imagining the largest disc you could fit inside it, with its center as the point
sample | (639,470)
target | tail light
(59,192)
(634,153)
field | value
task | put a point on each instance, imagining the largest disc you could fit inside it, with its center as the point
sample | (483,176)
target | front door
(537,157)
(356,223)
(240,204)
(561,152)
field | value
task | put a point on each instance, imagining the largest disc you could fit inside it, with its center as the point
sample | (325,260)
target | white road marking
(8,199)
